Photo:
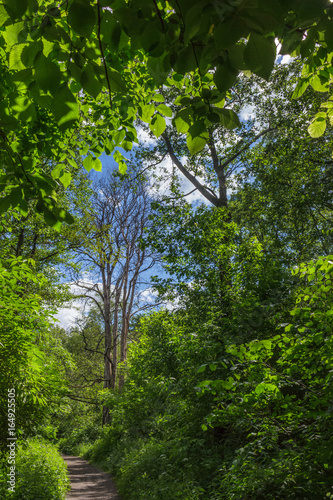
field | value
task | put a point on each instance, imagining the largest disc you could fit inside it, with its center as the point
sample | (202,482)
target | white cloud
(281,59)
(68,316)
(145,138)
(149,295)
(286,59)
(247,113)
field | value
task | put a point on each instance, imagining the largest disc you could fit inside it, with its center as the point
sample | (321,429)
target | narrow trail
(88,482)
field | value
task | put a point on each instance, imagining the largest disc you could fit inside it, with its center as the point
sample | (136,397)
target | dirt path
(88,482)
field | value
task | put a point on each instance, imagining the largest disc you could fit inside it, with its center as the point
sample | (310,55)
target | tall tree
(269,116)
(117,263)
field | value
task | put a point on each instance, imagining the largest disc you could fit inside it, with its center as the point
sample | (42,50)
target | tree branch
(233,157)
(212,198)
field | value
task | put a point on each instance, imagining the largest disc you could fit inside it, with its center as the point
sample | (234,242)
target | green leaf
(65,179)
(164,110)
(301,87)
(111,32)
(266,17)
(47,74)
(24,109)
(157,69)
(157,125)
(236,56)
(57,171)
(318,126)
(90,81)
(88,162)
(69,219)
(121,160)
(3,15)
(318,85)
(229,32)
(150,40)
(81,17)
(267,344)
(229,118)
(91,162)
(308,9)
(147,112)
(158,98)
(16,8)
(72,162)
(65,108)
(5,204)
(15,61)
(183,120)
(117,83)
(186,60)
(263,387)
(197,137)
(227,384)
(23,208)
(225,76)
(51,219)
(30,52)
(259,55)
(192,21)
(15,196)
(11,33)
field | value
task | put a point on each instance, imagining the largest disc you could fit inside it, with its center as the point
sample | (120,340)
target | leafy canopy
(80,73)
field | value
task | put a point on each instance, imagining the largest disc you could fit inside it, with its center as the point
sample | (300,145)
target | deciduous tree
(118,263)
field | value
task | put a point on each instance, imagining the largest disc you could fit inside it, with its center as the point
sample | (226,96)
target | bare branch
(207,194)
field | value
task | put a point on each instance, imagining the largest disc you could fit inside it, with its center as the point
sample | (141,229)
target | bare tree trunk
(123,338)
(115,338)
(123,349)
(108,372)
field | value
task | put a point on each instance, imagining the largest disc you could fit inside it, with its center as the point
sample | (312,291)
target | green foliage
(239,408)
(41,472)
(277,396)
(23,334)
(196,244)
(284,193)
(85,379)
(77,440)
(81,67)
(155,445)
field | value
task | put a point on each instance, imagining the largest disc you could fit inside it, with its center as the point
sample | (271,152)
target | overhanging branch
(209,196)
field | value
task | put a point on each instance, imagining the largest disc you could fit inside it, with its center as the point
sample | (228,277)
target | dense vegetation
(200,363)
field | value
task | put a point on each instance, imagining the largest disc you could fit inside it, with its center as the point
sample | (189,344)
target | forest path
(88,482)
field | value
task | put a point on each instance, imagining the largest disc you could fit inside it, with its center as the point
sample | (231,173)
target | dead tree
(118,264)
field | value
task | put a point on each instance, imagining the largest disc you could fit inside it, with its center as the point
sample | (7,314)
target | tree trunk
(108,372)
(115,338)
(123,349)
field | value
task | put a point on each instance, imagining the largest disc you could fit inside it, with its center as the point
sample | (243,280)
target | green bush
(41,473)
(159,471)
(78,440)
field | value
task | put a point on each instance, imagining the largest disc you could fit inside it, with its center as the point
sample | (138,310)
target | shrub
(78,440)
(41,472)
